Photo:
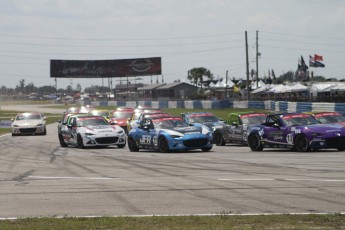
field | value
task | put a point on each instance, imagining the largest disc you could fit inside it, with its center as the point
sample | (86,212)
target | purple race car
(300,132)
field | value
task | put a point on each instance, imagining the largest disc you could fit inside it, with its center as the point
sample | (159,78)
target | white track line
(73,178)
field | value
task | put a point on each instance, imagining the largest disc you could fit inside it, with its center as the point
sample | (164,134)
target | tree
(78,88)
(30,88)
(198,74)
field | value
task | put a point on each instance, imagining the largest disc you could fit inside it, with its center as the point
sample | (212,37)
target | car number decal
(145,139)
(289,138)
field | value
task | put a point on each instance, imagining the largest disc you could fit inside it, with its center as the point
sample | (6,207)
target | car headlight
(16,126)
(39,124)
(120,132)
(89,134)
(175,136)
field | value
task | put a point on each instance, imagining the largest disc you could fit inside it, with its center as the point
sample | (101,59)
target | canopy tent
(256,85)
(278,89)
(261,89)
(298,87)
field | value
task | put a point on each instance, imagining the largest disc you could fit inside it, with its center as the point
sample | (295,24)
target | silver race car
(29,123)
(87,131)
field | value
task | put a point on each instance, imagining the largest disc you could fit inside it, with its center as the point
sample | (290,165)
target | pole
(257,59)
(226,85)
(247,64)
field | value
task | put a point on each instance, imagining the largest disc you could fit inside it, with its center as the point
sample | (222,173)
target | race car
(88,130)
(134,120)
(169,134)
(328,117)
(205,118)
(298,131)
(99,112)
(236,131)
(120,117)
(29,123)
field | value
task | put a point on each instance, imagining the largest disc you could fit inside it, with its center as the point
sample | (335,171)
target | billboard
(105,68)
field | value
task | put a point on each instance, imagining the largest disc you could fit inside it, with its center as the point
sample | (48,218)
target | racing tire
(44,132)
(13,134)
(219,139)
(206,149)
(120,146)
(133,147)
(163,145)
(341,148)
(62,142)
(80,143)
(301,143)
(254,142)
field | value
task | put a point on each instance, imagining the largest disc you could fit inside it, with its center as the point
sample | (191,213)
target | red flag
(317,57)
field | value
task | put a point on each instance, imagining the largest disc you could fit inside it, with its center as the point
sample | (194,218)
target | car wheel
(61,140)
(80,142)
(341,148)
(121,146)
(219,139)
(254,142)
(163,145)
(45,131)
(206,149)
(133,147)
(302,143)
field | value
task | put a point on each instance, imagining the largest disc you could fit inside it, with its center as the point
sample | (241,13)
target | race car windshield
(92,122)
(203,119)
(331,119)
(300,120)
(169,124)
(28,117)
(122,115)
(100,113)
(253,119)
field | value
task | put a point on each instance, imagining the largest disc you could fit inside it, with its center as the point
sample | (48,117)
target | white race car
(87,131)
(29,123)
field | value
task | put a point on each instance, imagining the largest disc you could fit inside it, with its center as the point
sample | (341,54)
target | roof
(174,84)
(152,86)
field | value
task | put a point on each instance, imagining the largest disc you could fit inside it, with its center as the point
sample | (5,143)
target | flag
(236,89)
(318,57)
(273,75)
(304,67)
(314,63)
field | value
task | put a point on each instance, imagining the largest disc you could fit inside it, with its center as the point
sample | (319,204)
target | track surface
(40,178)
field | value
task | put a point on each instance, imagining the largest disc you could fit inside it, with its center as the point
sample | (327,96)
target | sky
(185,33)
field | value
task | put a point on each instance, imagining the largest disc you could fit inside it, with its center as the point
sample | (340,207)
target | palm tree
(198,74)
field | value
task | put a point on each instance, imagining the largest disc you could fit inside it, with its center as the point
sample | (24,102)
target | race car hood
(101,129)
(28,122)
(119,121)
(180,131)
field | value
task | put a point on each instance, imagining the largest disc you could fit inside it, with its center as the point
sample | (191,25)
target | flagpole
(257,59)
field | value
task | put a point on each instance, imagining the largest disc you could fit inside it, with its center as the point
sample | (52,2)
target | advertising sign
(5,123)
(105,68)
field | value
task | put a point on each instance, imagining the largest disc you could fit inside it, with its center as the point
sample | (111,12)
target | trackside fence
(278,106)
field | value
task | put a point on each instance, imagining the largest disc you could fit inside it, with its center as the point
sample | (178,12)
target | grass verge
(313,221)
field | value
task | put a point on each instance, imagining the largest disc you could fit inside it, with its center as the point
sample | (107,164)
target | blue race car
(169,134)
(300,132)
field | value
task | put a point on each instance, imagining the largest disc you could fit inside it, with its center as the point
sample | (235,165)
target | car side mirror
(276,125)
(235,123)
(69,126)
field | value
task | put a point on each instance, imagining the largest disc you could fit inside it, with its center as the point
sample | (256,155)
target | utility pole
(257,59)
(247,64)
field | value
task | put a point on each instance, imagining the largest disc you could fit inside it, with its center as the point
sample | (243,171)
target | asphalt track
(38,178)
